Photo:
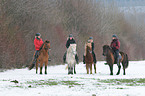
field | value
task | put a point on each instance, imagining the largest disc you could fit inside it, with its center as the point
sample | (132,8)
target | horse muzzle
(103,54)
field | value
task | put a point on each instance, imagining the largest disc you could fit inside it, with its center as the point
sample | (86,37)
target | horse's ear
(47,41)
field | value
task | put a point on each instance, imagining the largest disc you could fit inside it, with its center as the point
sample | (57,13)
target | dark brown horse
(89,58)
(108,53)
(43,57)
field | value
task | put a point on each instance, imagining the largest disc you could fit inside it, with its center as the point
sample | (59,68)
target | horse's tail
(31,66)
(125,61)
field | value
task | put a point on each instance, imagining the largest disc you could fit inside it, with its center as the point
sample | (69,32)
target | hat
(90,37)
(70,35)
(114,35)
(38,34)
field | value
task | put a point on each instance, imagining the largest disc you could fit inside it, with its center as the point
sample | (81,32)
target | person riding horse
(37,43)
(115,45)
(94,56)
(70,41)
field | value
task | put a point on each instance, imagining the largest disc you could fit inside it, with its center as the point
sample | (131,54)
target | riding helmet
(114,35)
(91,38)
(70,35)
(38,34)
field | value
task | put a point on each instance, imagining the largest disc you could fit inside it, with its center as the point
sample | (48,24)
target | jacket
(38,43)
(70,42)
(115,44)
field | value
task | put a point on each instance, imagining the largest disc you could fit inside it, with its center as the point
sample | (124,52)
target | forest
(20,20)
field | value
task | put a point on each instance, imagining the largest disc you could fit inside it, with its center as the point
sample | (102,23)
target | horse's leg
(124,71)
(41,65)
(46,66)
(90,68)
(74,69)
(69,68)
(36,67)
(111,69)
(95,67)
(87,65)
(119,67)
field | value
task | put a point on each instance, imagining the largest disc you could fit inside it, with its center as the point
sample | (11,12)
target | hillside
(20,20)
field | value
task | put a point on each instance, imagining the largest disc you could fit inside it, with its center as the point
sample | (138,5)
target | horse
(43,57)
(108,52)
(89,58)
(70,58)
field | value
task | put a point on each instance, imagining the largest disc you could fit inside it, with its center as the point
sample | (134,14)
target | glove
(114,48)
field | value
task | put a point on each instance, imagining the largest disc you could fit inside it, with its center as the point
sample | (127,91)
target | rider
(115,45)
(94,56)
(38,43)
(70,41)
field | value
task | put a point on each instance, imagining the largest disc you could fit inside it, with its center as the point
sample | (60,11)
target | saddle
(120,57)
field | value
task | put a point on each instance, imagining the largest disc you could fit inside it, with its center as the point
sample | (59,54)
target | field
(22,82)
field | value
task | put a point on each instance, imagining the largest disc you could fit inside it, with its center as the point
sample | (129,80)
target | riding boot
(49,57)
(117,57)
(84,59)
(118,62)
(64,58)
(94,57)
(35,57)
(77,59)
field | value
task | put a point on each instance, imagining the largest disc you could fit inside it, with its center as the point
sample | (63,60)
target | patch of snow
(89,84)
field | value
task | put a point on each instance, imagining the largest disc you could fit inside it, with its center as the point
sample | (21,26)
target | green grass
(127,82)
(52,82)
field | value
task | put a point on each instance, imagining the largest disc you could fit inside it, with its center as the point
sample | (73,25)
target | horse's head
(72,48)
(46,45)
(89,47)
(105,49)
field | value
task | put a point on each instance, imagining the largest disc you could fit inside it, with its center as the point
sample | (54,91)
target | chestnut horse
(43,57)
(108,52)
(89,58)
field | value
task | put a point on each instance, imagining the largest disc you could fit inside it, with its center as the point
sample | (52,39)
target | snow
(137,9)
(86,84)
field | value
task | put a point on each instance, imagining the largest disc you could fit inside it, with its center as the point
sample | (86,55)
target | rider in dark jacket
(115,45)
(94,56)
(70,41)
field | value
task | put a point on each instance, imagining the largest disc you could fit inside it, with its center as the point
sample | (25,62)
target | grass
(127,82)
(52,82)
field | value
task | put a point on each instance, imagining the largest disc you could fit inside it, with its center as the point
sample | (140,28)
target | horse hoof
(111,74)
(70,73)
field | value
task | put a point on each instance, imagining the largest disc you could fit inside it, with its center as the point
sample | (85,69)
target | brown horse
(43,57)
(108,52)
(89,58)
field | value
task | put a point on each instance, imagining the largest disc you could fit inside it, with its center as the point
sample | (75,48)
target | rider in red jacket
(38,43)
(115,45)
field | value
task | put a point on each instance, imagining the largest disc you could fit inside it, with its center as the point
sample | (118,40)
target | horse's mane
(71,45)
(46,41)
(108,47)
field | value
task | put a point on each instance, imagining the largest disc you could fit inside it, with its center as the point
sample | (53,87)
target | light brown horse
(108,53)
(43,57)
(89,58)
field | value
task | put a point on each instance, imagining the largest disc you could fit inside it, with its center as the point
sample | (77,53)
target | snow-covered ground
(58,83)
